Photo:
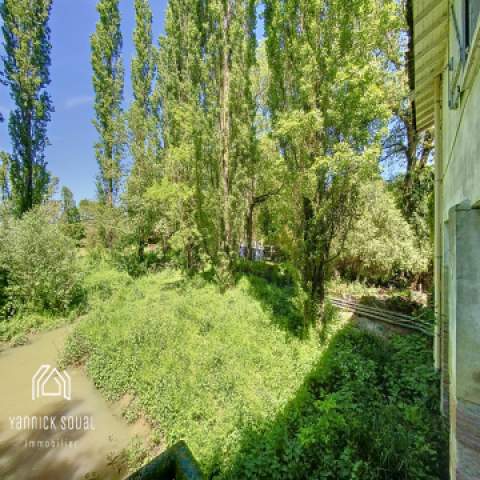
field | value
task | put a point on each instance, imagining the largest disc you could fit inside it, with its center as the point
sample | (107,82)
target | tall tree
(26,72)
(407,152)
(69,207)
(230,57)
(405,146)
(265,170)
(188,224)
(143,123)
(70,215)
(208,118)
(327,97)
(108,82)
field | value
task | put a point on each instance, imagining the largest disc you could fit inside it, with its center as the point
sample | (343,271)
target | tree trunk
(249,230)
(141,250)
(410,120)
(28,200)
(225,129)
(313,307)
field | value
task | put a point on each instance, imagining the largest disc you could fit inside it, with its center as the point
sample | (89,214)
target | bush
(381,245)
(106,282)
(368,410)
(38,265)
(126,258)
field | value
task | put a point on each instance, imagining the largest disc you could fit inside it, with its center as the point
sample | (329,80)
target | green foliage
(208,115)
(104,282)
(417,203)
(15,330)
(328,100)
(105,226)
(341,288)
(171,204)
(26,65)
(108,82)
(38,263)
(143,123)
(70,216)
(4,176)
(381,245)
(368,410)
(281,275)
(200,364)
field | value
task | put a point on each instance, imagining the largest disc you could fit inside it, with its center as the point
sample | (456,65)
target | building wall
(460,283)
(461,148)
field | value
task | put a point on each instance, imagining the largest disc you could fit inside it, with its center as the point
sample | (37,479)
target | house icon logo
(48,381)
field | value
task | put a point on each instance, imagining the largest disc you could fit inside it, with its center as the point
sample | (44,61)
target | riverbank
(51,436)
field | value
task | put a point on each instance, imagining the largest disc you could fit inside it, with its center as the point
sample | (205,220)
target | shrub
(381,245)
(367,411)
(281,275)
(106,282)
(38,264)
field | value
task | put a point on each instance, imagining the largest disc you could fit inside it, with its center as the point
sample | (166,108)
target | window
(471,13)
(465,15)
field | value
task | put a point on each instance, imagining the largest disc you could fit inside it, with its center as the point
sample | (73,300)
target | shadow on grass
(282,303)
(366,411)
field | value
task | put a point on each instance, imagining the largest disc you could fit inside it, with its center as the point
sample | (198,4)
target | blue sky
(72,135)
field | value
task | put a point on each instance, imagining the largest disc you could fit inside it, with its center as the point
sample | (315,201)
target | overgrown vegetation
(38,265)
(237,141)
(229,374)
(201,366)
(234,143)
(367,410)
(382,246)
(40,278)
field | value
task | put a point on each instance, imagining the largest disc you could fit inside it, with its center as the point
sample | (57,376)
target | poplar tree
(4,176)
(329,78)
(229,57)
(208,121)
(108,82)
(26,64)
(188,223)
(143,123)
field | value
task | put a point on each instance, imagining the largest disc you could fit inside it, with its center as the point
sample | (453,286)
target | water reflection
(81,438)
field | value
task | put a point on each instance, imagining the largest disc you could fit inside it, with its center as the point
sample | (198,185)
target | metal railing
(386,316)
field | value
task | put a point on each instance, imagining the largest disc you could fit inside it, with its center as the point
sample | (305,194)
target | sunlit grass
(200,364)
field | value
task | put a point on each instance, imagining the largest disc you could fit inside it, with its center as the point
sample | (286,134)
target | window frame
(469,26)
(460,74)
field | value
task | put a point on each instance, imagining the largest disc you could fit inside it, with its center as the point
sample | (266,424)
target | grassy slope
(200,364)
(228,374)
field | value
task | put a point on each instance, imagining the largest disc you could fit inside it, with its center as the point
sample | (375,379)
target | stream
(68,432)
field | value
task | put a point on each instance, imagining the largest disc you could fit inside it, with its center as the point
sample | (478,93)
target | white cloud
(78,101)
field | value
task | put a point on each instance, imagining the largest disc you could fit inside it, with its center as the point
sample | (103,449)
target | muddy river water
(58,426)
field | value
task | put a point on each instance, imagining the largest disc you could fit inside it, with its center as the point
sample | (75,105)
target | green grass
(17,330)
(251,393)
(201,365)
